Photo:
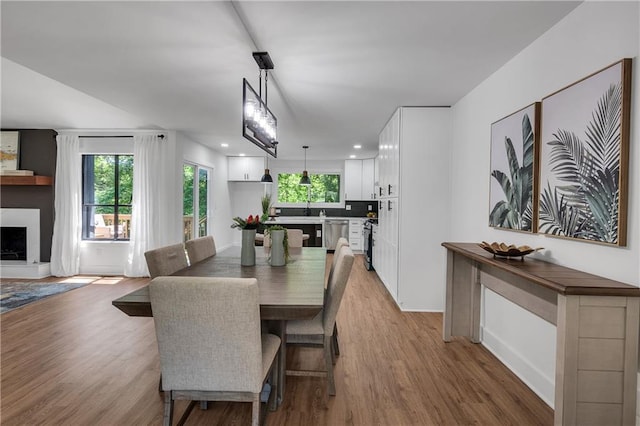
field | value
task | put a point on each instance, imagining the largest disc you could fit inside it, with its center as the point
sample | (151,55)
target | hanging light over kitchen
(266,177)
(305,175)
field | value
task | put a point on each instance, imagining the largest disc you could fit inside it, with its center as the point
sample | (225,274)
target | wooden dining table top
(293,291)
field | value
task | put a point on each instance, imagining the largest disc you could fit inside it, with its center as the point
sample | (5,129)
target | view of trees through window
(190,190)
(325,188)
(107,183)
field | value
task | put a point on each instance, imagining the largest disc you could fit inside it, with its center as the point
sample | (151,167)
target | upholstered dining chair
(166,260)
(318,332)
(342,242)
(294,236)
(210,344)
(200,248)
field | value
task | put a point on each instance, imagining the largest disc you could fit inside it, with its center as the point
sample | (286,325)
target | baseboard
(403,309)
(103,270)
(19,269)
(540,384)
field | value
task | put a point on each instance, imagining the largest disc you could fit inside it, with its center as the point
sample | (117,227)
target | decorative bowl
(504,250)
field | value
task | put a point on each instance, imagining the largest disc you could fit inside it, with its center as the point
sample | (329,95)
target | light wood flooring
(74,359)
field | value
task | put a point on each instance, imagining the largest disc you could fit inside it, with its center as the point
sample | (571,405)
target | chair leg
(273,395)
(255,410)
(160,383)
(336,346)
(168,409)
(333,352)
(328,361)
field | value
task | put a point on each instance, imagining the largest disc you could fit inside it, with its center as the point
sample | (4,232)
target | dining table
(294,291)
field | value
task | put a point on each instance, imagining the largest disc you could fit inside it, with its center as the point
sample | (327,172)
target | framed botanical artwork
(514,162)
(584,158)
(9,150)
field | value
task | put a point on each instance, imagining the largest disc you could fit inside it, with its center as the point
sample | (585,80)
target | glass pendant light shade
(305,175)
(266,177)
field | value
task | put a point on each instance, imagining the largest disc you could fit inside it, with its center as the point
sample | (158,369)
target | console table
(597,322)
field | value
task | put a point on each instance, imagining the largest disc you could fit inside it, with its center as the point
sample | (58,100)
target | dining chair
(294,236)
(200,248)
(166,260)
(210,343)
(342,242)
(318,332)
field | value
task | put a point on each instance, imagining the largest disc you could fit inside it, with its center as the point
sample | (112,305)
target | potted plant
(248,227)
(279,244)
(266,206)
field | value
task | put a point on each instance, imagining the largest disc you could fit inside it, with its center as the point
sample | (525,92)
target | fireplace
(13,244)
(20,235)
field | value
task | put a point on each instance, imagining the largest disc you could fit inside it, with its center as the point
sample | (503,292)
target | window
(107,186)
(325,188)
(195,193)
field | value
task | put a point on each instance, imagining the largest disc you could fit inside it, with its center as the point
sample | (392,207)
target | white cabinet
(368,179)
(359,180)
(353,179)
(247,169)
(356,234)
(413,219)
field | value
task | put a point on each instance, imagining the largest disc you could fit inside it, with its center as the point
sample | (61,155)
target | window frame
(196,195)
(276,173)
(116,190)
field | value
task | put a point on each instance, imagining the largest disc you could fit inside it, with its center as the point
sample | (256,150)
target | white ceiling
(341,68)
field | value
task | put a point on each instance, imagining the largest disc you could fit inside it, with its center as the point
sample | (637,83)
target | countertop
(302,220)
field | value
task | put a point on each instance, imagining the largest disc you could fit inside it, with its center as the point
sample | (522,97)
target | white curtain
(67,226)
(153,218)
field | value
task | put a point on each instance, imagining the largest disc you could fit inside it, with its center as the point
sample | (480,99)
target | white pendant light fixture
(305,175)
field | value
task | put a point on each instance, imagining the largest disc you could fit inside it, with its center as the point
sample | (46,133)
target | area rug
(16,294)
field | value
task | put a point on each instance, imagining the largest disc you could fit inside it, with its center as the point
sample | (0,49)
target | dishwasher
(333,230)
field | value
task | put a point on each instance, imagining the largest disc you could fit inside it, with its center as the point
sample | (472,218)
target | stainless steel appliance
(333,230)
(368,243)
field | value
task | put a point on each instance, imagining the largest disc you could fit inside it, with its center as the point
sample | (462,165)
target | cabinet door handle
(389,205)
(389,189)
(380,189)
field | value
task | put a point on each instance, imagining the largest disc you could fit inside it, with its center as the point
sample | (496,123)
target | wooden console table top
(559,278)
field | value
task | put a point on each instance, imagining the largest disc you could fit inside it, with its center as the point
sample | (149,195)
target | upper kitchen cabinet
(245,169)
(359,180)
(389,157)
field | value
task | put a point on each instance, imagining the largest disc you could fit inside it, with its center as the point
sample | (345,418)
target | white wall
(593,36)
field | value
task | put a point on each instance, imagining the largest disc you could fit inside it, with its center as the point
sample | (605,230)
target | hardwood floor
(74,359)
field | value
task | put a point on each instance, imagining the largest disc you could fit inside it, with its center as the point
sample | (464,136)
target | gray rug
(16,294)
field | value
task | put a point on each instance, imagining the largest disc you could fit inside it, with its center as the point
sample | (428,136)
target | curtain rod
(116,136)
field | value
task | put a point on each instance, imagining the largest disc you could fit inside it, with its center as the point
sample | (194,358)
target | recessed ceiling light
(352,156)
(224,145)
(241,154)
(357,146)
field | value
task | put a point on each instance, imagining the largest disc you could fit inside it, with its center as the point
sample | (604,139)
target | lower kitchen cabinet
(356,228)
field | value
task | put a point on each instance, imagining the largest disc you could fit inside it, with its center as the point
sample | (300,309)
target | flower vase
(248,251)
(277,248)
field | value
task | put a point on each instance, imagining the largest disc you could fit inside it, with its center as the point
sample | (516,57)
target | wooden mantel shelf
(26,180)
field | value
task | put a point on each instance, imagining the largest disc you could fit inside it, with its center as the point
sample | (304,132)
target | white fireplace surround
(29,218)
(32,267)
